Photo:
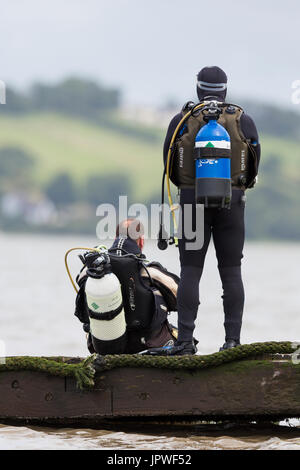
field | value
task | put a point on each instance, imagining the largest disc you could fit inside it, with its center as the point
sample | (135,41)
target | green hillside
(63,144)
(60,144)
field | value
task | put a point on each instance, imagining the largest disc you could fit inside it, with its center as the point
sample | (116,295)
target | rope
(194,362)
(83,372)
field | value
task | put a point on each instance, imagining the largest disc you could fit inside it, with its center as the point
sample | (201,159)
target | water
(37,304)
(28,438)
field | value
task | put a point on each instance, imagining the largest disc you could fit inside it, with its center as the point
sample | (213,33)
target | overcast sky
(153,49)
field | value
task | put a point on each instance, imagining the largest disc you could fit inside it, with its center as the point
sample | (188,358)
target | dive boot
(229,344)
(183,348)
(179,349)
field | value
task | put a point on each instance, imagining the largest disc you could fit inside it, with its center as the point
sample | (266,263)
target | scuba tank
(212,154)
(104,305)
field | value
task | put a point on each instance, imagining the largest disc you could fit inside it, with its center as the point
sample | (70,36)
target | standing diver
(226,223)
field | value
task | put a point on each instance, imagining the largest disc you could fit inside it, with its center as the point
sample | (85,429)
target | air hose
(173,207)
(98,249)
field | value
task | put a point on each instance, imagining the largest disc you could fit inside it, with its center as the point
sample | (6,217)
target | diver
(225,225)
(137,295)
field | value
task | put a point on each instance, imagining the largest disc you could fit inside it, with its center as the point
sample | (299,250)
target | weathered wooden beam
(267,388)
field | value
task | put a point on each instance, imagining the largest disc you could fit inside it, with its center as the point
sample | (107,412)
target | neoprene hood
(212,81)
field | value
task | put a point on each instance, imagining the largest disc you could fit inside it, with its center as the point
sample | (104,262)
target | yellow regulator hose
(99,249)
(173,206)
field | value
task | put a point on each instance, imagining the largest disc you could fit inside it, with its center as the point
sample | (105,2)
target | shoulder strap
(166,282)
(138,297)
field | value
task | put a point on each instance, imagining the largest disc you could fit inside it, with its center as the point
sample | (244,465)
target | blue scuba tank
(213,166)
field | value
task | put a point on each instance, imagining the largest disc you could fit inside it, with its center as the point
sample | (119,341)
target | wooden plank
(37,395)
(248,389)
(239,389)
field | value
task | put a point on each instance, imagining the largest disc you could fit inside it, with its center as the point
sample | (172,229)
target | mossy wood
(266,387)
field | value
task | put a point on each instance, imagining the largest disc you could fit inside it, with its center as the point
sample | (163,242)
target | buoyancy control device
(148,290)
(105,305)
(180,167)
(142,288)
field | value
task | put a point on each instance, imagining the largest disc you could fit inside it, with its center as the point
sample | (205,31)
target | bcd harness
(180,163)
(243,159)
(149,291)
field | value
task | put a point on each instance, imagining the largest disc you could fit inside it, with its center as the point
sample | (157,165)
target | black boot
(183,348)
(229,344)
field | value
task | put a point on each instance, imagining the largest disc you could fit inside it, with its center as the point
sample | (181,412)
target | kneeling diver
(123,300)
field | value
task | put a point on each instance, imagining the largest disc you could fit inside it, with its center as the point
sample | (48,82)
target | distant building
(149,116)
(34,212)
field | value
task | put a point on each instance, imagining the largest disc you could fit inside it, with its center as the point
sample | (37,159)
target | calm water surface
(37,304)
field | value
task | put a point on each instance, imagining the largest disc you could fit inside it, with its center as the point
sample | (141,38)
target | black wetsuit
(228,231)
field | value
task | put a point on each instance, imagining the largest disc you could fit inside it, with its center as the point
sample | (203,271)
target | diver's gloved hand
(229,344)
(179,349)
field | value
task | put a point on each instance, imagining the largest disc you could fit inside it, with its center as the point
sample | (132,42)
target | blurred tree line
(16,167)
(74,96)
(88,99)
(97,189)
(272,208)
(273,120)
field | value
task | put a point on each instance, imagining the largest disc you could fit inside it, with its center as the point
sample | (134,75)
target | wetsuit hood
(212,82)
(128,245)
